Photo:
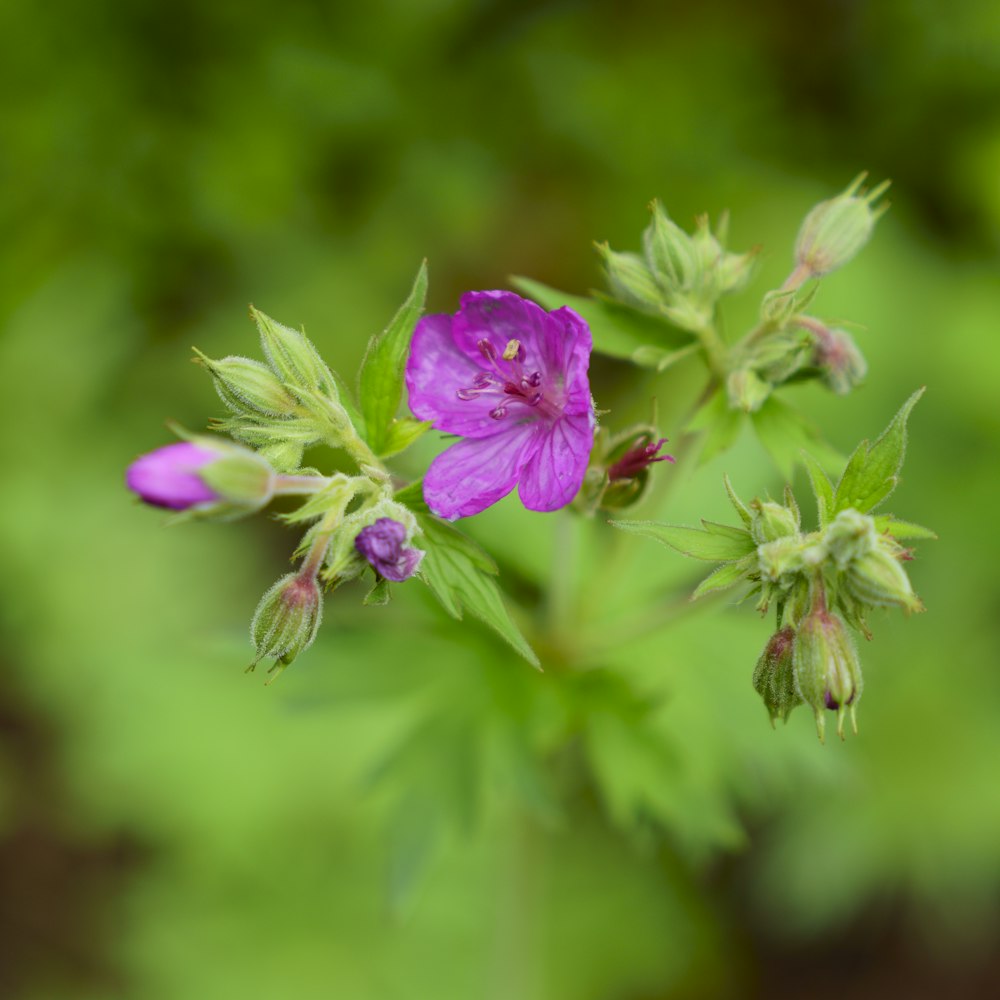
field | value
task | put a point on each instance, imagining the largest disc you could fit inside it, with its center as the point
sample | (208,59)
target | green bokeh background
(371,827)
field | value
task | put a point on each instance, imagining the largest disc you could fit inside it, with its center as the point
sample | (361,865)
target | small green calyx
(826,667)
(248,387)
(773,677)
(771,521)
(835,230)
(287,619)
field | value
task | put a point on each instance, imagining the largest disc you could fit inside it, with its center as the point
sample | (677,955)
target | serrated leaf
(786,433)
(725,529)
(873,470)
(380,382)
(461,576)
(727,575)
(822,489)
(617,330)
(903,529)
(401,434)
(693,542)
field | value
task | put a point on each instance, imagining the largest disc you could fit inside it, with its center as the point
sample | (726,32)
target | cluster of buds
(788,345)
(680,276)
(618,476)
(351,522)
(286,405)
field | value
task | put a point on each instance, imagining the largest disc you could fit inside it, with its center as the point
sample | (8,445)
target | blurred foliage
(376,825)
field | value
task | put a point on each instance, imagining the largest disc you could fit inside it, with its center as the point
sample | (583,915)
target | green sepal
(460,574)
(694,542)
(401,434)
(725,576)
(380,381)
(741,508)
(379,595)
(903,529)
(872,472)
(338,493)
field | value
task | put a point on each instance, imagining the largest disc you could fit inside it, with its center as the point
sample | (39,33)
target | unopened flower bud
(210,478)
(669,252)
(774,678)
(842,366)
(293,357)
(772,521)
(287,619)
(629,279)
(827,670)
(877,579)
(850,536)
(781,560)
(247,387)
(835,230)
(382,544)
(746,390)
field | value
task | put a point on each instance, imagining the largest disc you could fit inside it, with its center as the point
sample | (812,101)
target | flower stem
(299,485)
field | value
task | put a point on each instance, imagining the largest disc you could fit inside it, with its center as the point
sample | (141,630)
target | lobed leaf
(380,382)
(722,578)
(694,542)
(872,472)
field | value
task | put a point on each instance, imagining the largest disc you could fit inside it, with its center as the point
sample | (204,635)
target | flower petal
(574,345)
(435,370)
(500,317)
(554,472)
(477,472)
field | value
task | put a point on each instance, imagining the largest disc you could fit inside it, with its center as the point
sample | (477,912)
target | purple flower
(168,477)
(511,380)
(382,545)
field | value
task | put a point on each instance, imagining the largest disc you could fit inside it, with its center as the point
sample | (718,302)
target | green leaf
(741,508)
(727,530)
(727,575)
(721,423)
(693,542)
(618,331)
(903,529)
(401,434)
(461,576)
(872,472)
(379,594)
(822,489)
(380,383)
(660,359)
(786,433)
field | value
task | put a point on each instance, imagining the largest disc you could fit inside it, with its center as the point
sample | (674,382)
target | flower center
(507,379)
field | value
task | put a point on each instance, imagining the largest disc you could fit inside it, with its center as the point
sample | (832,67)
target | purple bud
(168,477)
(382,545)
(638,458)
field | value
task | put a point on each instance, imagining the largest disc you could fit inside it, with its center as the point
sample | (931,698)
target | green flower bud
(287,619)
(877,579)
(835,230)
(746,390)
(629,279)
(850,536)
(247,387)
(293,358)
(826,666)
(774,678)
(781,561)
(772,521)
(669,253)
